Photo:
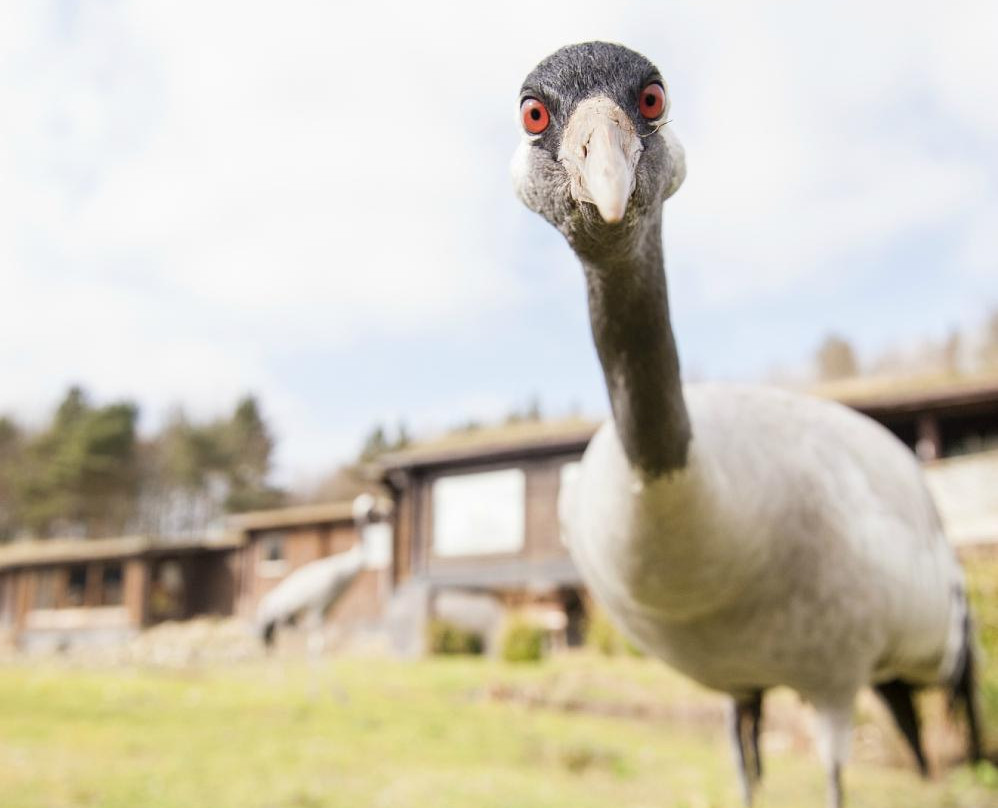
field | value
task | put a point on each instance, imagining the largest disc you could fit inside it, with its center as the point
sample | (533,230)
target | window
(76,586)
(568,475)
(272,547)
(112,589)
(167,592)
(272,559)
(479,514)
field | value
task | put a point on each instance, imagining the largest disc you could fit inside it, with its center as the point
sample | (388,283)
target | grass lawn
(579,730)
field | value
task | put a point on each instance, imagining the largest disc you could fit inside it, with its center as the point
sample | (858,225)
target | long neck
(629,312)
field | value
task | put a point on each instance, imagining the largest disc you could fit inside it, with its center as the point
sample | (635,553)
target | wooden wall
(414,517)
(301,545)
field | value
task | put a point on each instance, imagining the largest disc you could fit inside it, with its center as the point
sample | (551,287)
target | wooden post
(929,443)
(137,590)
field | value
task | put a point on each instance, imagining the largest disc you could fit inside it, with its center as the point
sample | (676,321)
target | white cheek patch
(519,167)
(677,156)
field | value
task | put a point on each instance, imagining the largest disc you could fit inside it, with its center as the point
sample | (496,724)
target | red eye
(534,115)
(652,101)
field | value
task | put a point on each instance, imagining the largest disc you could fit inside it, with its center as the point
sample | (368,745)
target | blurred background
(256,260)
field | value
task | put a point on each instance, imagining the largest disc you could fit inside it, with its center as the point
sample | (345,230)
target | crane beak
(600,150)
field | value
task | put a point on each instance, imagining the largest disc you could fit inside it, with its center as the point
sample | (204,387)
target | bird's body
(311,591)
(747,536)
(799,546)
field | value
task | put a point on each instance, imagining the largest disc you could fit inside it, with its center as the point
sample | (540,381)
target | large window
(479,514)
(568,475)
(112,589)
(76,586)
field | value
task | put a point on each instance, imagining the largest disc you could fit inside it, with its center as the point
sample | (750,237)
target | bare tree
(836,359)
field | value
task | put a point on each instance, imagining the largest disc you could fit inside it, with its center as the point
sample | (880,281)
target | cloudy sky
(311,201)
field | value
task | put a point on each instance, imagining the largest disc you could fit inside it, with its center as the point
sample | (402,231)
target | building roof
(875,396)
(495,443)
(292,517)
(55,551)
(881,396)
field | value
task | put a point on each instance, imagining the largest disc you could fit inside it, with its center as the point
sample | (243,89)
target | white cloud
(193,189)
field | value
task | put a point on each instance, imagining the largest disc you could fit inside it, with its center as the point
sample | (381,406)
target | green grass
(580,731)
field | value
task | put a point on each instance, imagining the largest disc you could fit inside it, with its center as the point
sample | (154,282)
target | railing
(966,491)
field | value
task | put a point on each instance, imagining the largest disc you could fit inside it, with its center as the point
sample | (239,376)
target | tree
(79,474)
(194,473)
(246,446)
(377,442)
(10,448)
(836,359)
(89,473)
(349,480)
(180,493)
(344,483)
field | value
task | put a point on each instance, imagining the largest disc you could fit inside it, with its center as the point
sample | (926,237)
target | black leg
(899,698)
(746,719)
(835,797)
(965,692)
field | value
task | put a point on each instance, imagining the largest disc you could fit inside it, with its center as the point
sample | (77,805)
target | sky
(311,201)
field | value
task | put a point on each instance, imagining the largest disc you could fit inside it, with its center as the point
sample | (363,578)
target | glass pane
(76,586)
(112,589)
(478,514)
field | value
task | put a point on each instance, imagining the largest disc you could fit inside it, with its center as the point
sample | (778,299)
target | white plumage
(311,590)
(799,546)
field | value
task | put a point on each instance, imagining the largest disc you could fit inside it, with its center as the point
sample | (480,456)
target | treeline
(89,473)
(969,350)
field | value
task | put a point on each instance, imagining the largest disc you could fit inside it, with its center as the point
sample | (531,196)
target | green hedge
(522,641)
(602,636)
(446,638)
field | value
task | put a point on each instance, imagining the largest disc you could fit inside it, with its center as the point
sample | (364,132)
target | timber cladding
(271,553)
(539,558)
(57,594)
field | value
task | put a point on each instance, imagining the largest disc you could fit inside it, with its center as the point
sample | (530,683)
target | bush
(602,636)
(522,641)
(446,638)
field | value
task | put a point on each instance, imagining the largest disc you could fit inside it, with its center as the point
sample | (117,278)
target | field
(579,730)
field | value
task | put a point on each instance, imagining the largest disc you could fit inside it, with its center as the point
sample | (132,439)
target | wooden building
(936,420)
(60,594)
(474,533)
(477,513)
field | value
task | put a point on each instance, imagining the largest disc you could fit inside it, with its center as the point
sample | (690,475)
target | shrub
(522,641)
(602,636)
(446,638)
